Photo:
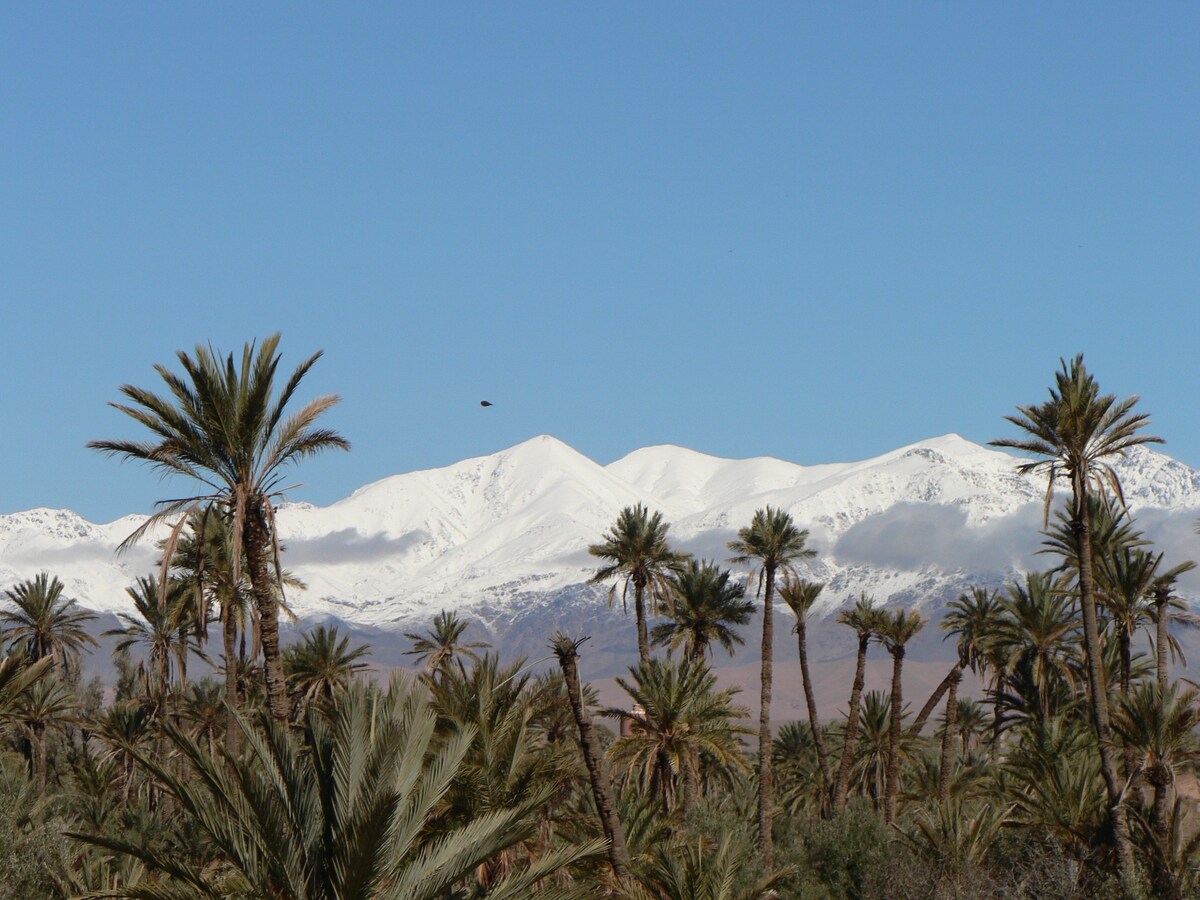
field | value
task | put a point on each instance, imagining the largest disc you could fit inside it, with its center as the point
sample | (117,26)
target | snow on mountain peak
(499,529)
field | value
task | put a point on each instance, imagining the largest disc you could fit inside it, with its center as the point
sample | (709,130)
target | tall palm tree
(680,723)
(800,595)
(322,663)
(948,738)
(443,645)
(635,550)
(222,426)
(773,543)
(338,807)
(566,649)
(863,618)
(45,622)
(707,606)
(1037,632)
(1076,434)
(155,629)
(1168,608)
(973,619)
(896,630)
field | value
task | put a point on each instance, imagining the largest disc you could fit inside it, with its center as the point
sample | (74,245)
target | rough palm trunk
(811,700)
(851,741)
(766,844)
(593,757)
(892,790)
(953,677)
(256,539)
(1161,599)
(1099,690)
(691,783)
(997,704)
(229,637)
(948,736)
(639,608)
(40,767)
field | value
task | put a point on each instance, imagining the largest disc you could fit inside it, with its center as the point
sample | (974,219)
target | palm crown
(221,426)
(706,607)
(45,622)
(635,550)
(1076,431)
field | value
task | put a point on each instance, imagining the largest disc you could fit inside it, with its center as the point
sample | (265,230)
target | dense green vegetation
(290,772)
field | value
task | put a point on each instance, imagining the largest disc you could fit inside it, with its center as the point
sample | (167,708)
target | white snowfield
(498,529)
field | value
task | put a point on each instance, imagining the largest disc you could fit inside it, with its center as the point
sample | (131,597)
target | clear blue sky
(812,231)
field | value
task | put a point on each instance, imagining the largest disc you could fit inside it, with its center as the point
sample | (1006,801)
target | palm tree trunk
(892,791)
(1099,690)
(593,757)
(811,700)
(1161,598)
(41,767)
(851,740)
(997,708)
(639,608)
(953,677)
(255,541)
(229,636)
(691,782)
(948,737)
(766,844)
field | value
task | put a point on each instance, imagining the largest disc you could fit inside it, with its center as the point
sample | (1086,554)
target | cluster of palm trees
(290,772)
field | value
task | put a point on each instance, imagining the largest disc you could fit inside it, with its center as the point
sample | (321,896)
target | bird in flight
(484,403)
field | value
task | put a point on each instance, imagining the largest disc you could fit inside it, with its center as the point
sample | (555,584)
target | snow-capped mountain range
(498,536)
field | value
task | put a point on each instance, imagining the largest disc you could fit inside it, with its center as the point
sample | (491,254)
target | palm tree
(679,726)
(45,622)
(635,550)
(871,752)
(203,564)
(47,704)
(442,646)
(773,541)
(705,609)
(322,663)
(566,649)
(336,808)
(896,630)
(1037,631)
(797,772)
(973,619)
(125,728)
(971,722)
(222,426)
(948,727)
(155,628)
(507,764)
(800,595)
(1161,730)
(204,712)
(1076,433)
(1168,608)
(862,617)
(699,870)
